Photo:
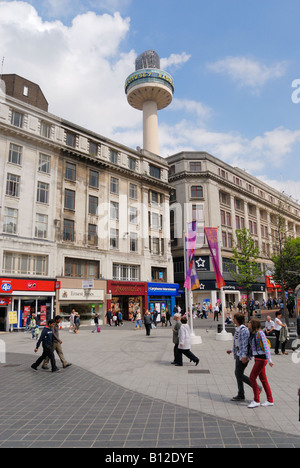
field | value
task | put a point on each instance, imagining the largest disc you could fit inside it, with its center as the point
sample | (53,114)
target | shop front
(86,297)
(234,293)
(162,298)
(26,297)
(127,297)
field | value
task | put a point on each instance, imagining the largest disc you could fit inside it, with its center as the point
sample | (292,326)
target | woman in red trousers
(262,356)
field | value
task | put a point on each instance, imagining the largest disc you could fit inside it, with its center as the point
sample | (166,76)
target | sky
(235,64)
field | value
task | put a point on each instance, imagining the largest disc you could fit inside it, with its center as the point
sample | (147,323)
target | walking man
(56,345)
(241,353)
(46,339)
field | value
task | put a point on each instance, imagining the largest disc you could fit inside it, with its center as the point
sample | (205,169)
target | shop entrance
(129,306)
(161,307)
(3,315)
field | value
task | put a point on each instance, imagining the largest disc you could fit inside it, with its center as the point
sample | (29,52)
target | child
(37,332)
(47,341)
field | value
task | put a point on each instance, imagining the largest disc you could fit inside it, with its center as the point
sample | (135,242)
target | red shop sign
(29,285)
(4,301)
(127,289)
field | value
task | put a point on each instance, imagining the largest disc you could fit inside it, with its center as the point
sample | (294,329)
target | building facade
(77,209)
(211,192)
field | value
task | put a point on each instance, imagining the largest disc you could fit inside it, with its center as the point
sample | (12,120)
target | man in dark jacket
(175,329)
(46,339)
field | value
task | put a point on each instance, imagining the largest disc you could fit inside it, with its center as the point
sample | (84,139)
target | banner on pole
(192,280)
(212,239)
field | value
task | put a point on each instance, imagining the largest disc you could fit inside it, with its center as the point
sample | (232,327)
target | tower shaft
(150,127)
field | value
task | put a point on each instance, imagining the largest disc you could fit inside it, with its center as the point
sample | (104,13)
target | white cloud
(246,72)
(289,188)
(82,72)
(79,67)
(270,150)
(174,61)
(201,111)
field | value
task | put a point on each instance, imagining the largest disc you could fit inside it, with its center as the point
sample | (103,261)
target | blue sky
(233,62)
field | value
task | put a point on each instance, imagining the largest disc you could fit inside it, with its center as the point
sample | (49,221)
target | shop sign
(123,289)
(271,283)
(4,301)
(6,287)
(66,294)
(12,318)
(202,263)
(158,289)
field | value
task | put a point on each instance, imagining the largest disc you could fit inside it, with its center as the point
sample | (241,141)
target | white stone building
(218,195)
(74,206)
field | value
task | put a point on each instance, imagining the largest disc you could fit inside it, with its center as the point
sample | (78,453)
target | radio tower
(149,89)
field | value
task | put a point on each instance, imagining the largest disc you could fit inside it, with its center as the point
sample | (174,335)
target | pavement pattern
(121,392)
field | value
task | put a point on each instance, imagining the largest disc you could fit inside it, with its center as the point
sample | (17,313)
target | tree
(285,254)
(245,255)
(287,264)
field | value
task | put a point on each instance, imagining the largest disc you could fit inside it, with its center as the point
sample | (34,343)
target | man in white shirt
(269,329)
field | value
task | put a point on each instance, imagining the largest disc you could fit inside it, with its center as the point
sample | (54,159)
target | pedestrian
(76,323)
(147,322)
(184,346)
(108,316)
(96,323)
(71,319)
(278,327)
(138,320)
(262,356)
(56,345)
(168,317)
(33,326)
(298,326)
(115,318)
(46,340)
(28,320)
(269,329)
(175,330)
(120,318)
(216,312)
(241,354)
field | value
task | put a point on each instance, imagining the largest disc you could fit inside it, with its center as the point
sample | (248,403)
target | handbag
(98,329)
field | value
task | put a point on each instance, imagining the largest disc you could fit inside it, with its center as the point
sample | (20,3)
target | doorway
(3,318)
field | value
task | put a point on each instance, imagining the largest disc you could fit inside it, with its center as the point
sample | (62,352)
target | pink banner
(212,239)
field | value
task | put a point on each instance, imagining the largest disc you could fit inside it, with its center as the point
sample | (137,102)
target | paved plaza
(123,392)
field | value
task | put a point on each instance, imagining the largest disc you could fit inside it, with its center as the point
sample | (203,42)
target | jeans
(259,370)
(240,368)
(138,324)
(47,352)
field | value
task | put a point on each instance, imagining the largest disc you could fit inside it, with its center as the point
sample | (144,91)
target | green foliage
(245,260)
(287,264)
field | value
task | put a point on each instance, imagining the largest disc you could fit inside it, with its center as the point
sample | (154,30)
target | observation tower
(149,89)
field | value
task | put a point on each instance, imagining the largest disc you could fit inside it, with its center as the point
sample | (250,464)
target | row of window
(17,120)
(37,265)
(240,224)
